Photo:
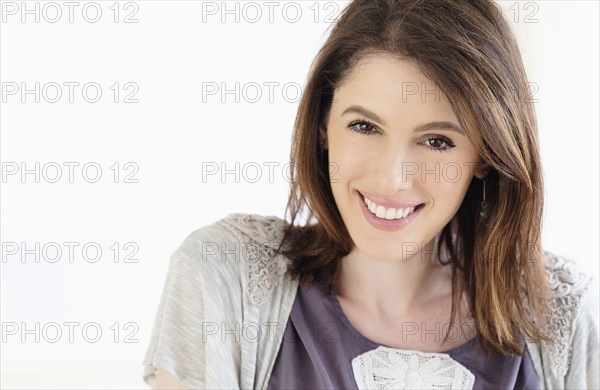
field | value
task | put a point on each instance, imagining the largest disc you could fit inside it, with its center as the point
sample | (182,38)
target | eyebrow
(441,125)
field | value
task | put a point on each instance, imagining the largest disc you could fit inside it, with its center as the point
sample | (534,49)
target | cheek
(447,193)
(346,159)
(449,183)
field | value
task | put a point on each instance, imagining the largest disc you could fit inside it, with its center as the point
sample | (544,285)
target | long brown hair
(469,51)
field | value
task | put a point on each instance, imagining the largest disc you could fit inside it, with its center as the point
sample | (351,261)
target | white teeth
(390,213)
(399,214)
(372,207)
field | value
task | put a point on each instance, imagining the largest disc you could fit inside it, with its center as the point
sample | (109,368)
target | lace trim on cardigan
(389,368)
(260,236)
(567,285)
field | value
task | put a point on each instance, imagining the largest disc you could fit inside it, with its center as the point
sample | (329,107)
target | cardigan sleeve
(584,369)
(197,327)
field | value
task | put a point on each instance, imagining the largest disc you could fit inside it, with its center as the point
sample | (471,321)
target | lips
(389,203)
(389,224)
(388,213)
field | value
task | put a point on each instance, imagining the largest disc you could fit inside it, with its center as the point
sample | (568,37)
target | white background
(168,136)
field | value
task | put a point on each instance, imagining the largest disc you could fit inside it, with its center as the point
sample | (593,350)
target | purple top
(319,344)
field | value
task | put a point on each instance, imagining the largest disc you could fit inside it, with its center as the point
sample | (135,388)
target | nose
(395,169)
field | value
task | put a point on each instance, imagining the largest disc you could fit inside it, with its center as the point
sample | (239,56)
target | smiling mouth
(389,213)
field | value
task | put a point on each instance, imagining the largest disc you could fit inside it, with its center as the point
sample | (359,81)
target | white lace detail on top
(389,368)
(567,284)
(260,236)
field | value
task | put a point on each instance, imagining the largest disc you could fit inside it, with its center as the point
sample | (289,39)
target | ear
(481,170)
(323,137)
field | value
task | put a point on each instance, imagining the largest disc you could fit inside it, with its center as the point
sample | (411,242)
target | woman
(416,156)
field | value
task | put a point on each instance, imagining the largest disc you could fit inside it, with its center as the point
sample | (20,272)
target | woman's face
(412,153)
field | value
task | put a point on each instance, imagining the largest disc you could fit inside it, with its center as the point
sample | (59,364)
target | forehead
(392,86)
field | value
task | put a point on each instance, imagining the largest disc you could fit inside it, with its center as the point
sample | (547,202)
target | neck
(391,288)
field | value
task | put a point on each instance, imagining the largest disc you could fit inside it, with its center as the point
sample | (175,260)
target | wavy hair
(468,49)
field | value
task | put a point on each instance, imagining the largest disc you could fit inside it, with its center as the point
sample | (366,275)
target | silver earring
(484,206)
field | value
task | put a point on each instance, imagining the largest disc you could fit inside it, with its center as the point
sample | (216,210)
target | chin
(388,253)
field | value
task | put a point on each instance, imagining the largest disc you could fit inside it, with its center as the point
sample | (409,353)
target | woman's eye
(439,143)
(362,127)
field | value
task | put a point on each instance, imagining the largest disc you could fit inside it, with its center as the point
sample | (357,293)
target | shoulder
(259,237)
(573,307)
(232,238)
(571,292)
(259,229)
(239,247)
(566,278)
